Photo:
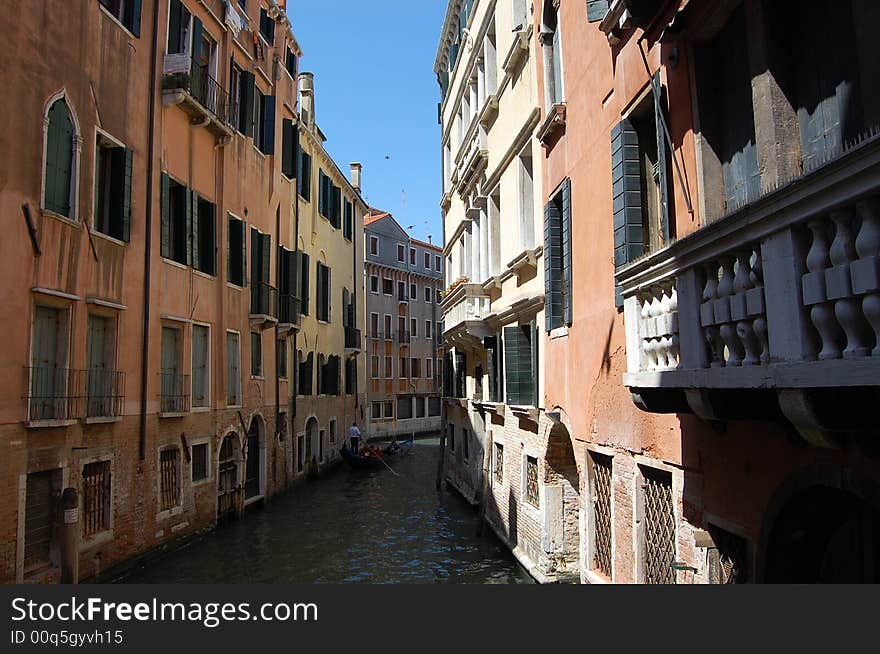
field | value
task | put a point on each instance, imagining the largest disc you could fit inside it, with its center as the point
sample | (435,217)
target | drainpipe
(148,240)
(278,316)
(294,382)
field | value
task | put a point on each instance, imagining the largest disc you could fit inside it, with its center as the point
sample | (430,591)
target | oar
(379,456)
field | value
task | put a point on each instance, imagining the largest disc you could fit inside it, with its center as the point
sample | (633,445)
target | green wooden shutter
(246,106)
(59,159)
(662,155)
(242,230)
(196,53)
(519,354)
(490,344)
(265,255)
(165,192)
(566,251)
(319,292)
(268,124)
(255,256)
(627,193)
(329,296)
(134,23)
(512,370)
(288,151)
(596,10)
(304,282)
(193,224)
(190,208)
(552,266)
(126,194)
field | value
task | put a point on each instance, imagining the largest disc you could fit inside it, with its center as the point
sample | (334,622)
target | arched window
(60,160)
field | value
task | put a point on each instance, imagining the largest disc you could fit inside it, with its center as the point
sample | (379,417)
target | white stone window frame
(103,134)
(165,514)
(62,94)
(107,535)
(525,506)
(588,515)
(638,513)
(374,240)
(207,440)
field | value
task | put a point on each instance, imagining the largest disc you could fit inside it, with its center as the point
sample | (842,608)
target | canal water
(350,527)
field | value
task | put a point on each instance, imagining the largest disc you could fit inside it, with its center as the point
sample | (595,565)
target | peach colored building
(154,279)
(710,183)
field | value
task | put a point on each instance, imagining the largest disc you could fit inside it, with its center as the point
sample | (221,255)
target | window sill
(258,378)
(169,513)
(202,409)
(175,264)
(107,237)
(559,332)
(596,578)
(201,482)
(101,420)
(173,414)
(234,406)
(201,273)
(48,213)
(117,21)
(48,424)
(234,287)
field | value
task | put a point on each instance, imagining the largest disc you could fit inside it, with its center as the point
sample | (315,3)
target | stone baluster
(647,344)
(674,344)
(735,352)
(838,282)
(742,283)
(821,311)
(707,318)
(759,324)
(657,344)
(866,271)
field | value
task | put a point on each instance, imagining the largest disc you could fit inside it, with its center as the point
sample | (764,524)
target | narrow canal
(350,527)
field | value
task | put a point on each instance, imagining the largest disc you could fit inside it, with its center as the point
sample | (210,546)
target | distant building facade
(403,278)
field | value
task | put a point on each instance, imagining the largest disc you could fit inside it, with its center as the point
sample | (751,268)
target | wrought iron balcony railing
(263,299)
(183,74)
(174,396)
(67,394)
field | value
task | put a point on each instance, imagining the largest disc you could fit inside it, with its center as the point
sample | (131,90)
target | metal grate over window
(659,527)
(729,562)
(169,468)
(532,481)
(499,463)
(602,513)
(96,497)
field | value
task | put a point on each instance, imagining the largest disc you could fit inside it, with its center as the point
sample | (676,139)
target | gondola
(363,462)
(398,448)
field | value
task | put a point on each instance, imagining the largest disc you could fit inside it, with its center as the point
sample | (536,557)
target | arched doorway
(255,468)
(228,486)
(824,535)
(562,498)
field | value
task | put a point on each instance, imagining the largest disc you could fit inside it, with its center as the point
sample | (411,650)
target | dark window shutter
(662,154)
(519,355)
(552,266)
(319,292)
(242,230)
(190,199)
(126,194)
(304,282)
(265,257)
(512,364)
(196,48)
(288,149)
(246,106)
(255,256)
(230,242)
(268,124)
(328,296)
(566,251)
(135,21)
(175,16)
(165,192)
(59,159)
(627,198)
(193,224)
(490,344)
(596,10)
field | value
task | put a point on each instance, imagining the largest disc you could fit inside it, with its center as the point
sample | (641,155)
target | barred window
(169,470)
(96,497)
(499,463)
(200,462)
(532,481)
(728,560)
(601,513)
(659,537)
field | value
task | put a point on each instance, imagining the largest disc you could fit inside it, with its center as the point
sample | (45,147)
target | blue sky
(376,96)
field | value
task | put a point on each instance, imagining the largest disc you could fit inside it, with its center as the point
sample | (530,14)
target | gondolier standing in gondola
(354,437)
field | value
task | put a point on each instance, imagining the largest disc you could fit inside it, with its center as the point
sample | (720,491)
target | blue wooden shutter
(126,193)
(193,224)
(134,23)
(268,124)
(165,193)
(596,10)
(513,365)
(242,231)
(627,194)
(552,266)
(566,251)
(662,154)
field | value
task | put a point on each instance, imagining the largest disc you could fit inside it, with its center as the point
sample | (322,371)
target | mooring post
(70,537)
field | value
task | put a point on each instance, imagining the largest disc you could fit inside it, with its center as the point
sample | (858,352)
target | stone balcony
(464,312)
(771,311)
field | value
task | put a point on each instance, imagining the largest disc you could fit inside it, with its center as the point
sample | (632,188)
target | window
(264,122)
(201,469)
(531,481)
(376,410)
(420,407)
(601,559)
(498,463)
(402,335)
(401,252)
(374,366)
(389,372)
(173,394)
(387,286)
(267,26)
(329,376)
(281,357)
(204,235)
(374,246)
(526,199)
(557,259)
(414,327)
(412,256)
(236,255)
(113,169)
(401,291)
(290,63)
(427,261)
(658,542)
(551,40)
(415,368)
(103,384)
(95,498)
(404,407)
(289,144)
(465,441)
(329,199)
(262,300)
(178,28)
(404,368)
(429,368)
(348,224)
(332,430)
(169,479)
(450,437)
(388,335)
(494,362)
(200,366)
(388,408)
(304,181)
(438,298)
(521,364)
(374,325)
(460,374)
(127,12)
(322,311)
(41,505)
(374,284)
(437,262)
(413,292)
(305,373)
(233,369)
(434,406)
(428,326)
(177,205)
(428,294)
(305,272)
(351,375)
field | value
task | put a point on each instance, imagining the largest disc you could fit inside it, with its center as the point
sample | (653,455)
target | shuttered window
(351,376)
(558,259)
(200,463)
(112,203)
(127,12)
(204,235)
(305,373)
(305,273)
(323,292)
(494,360)
(629,238)
(261,245)
(246,95)
(58,174)
(267,26)
(289,148)
(281,357)
(264,122)
(178,28)
(520,362)
(233,369)
(256,354)
(304,179)
(176,217)
(95,498)
(404,407)
(460,374)
(236,252)
(200,366)
(169,484)
(348,225)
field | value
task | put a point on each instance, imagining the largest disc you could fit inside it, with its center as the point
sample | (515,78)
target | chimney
(307,98)
(429,239)
(356,171)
